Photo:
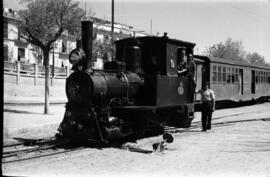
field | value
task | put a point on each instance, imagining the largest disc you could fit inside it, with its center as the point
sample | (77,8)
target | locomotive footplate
(154,109)
(149,118)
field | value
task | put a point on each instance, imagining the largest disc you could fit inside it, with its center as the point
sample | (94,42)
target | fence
(33,70)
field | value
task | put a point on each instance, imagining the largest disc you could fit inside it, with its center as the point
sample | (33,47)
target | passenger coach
(233,80)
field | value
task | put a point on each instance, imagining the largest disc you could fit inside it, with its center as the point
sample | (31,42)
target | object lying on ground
(161,146)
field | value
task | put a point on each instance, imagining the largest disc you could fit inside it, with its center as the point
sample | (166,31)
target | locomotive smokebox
(87,40)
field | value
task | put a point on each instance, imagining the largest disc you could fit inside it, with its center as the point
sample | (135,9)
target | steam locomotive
(136,94)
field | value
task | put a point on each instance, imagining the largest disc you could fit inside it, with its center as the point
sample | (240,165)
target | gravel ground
(238,145)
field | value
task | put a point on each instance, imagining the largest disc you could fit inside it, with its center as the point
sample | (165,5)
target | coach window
(269,77)
(266,77)
(232,75)
(256,76)
(214,77)
(228,75)
(263,74)
(219,74)
(263,77)
(236,75)
(260,76)
(224,75)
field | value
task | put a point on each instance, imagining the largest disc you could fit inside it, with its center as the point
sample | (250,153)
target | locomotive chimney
(87,40)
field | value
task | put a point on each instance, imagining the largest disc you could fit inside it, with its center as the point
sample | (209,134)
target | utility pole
(151,26)
(85,6)
(53,63)
(112,35)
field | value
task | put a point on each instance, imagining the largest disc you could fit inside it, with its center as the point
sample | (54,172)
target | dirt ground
(238,145)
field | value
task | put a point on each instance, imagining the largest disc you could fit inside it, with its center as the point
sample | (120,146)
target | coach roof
(232,62)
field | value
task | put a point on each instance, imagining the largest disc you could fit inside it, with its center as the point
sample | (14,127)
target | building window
(21,53)
(5,53)
(64,46)
(5,30)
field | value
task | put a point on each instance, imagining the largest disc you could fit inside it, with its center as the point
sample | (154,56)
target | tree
(255,58)
(234,50)
(229,50)
(43,22)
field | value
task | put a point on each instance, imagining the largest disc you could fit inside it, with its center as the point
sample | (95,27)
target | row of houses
(18,49)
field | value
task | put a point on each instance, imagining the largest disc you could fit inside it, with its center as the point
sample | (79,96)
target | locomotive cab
(157,57)
(164,92)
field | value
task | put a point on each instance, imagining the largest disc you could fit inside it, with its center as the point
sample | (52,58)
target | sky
(204,22)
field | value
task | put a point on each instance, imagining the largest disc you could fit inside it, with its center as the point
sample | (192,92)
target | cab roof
(164,39)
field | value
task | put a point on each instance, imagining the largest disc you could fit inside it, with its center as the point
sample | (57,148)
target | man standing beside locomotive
(208,106)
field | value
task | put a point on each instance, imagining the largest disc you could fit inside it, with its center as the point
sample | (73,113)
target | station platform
(28,121)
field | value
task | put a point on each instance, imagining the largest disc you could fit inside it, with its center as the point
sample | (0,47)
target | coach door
(241,81)
(200,75)
(253,82)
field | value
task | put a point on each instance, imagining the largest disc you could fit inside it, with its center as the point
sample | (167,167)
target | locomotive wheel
(77,136)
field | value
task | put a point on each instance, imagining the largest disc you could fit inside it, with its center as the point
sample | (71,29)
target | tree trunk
(47,79)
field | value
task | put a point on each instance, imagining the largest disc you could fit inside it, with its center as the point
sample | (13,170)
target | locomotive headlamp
(76,56)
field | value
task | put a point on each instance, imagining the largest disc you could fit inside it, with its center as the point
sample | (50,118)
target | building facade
(18,49)
(15,48)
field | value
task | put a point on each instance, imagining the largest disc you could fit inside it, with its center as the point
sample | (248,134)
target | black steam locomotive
(137,93)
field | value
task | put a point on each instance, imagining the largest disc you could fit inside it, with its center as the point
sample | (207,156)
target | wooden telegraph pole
(112,30)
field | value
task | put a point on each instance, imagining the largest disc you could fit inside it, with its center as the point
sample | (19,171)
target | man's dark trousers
(207,109)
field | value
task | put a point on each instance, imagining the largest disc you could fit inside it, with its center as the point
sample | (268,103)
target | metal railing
(33,70)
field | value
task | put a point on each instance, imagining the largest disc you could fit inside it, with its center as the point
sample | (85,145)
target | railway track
(216,121)
(35,148)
